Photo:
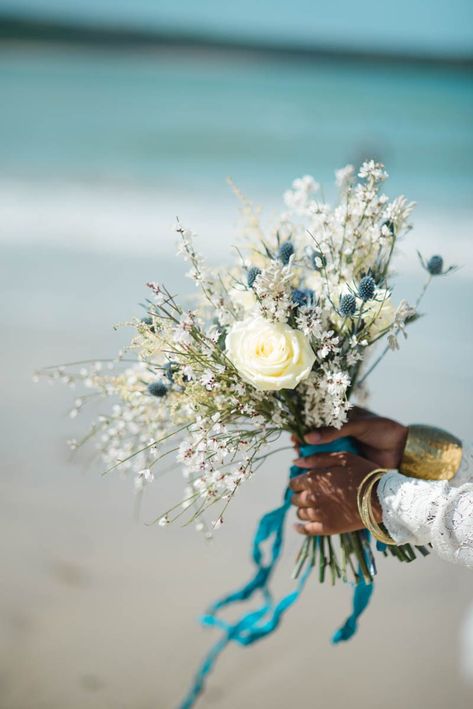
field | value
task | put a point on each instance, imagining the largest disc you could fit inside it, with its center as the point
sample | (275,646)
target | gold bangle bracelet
(430,453)
(368,514)
(365,506)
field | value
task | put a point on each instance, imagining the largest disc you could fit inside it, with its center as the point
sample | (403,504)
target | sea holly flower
(347,306)
(285,252)
(435,265)
(366,288)
(303,296)
(170,369)
(158,389)
(253,273)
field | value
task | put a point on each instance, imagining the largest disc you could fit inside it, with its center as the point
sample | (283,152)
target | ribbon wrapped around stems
(257,624)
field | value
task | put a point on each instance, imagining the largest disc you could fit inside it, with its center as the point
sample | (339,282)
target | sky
(433,26)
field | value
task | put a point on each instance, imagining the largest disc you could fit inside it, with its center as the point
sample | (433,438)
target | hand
(379,439)
(326,495)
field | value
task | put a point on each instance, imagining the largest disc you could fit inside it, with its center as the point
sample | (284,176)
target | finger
(308,514)
(328,434)
(303,499)
(358,412)
(310,529)
(323,460)
(300,483)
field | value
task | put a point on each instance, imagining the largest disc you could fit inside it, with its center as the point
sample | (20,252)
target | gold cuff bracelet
(430,453)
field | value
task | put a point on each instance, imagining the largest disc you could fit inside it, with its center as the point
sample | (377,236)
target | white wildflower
(273,289)
(208,380)
(344,176)
(142,478)
(398,212)
(373,170)
(328,344)
(300,197)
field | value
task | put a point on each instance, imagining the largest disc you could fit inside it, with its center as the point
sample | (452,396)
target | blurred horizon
(409,26)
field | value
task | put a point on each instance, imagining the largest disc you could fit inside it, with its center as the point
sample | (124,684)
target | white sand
(98,611)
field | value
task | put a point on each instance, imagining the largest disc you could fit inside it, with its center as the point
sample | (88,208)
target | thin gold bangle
(365,506)
(377,531)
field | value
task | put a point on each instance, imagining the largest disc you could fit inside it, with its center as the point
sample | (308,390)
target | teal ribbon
(259,623)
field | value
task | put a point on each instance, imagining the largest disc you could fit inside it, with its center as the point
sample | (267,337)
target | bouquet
(279,342)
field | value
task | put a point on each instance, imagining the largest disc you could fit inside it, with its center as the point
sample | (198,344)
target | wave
(117,219)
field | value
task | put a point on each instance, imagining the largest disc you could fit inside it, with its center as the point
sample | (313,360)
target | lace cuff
(432,512)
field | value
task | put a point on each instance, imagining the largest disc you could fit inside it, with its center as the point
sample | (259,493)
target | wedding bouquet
(277,342)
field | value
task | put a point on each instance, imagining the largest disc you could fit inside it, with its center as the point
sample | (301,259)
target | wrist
(376,505)
(403,435)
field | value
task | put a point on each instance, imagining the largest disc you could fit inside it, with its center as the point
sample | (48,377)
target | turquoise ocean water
(188,120)
(101,143)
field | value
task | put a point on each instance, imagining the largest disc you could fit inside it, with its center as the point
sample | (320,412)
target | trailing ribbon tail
(361,597)
(256,624)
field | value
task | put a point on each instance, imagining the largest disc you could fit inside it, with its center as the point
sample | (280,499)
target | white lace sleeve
(432,512)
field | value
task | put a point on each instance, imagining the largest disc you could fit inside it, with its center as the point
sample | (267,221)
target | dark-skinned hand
(325,497)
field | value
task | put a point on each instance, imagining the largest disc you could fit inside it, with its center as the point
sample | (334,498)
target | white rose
(270,356)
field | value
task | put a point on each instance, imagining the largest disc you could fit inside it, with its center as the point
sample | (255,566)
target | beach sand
(98,610)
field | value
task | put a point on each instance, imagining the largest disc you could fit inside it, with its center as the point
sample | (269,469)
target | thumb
(327,434)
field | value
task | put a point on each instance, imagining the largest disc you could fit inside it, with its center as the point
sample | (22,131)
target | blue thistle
(435,265)
(253,273)
(158,389)
(347,305)
(169,369)
(366,288)
(389,224)
(285,252)
(149,322)
(318,256)
(303,296)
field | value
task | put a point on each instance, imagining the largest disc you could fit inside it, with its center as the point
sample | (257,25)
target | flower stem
(301,558)
(358,549)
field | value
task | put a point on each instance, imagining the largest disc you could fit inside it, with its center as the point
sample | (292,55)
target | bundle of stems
(352,561)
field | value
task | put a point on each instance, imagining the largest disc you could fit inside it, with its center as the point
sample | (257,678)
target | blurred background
(116,116)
